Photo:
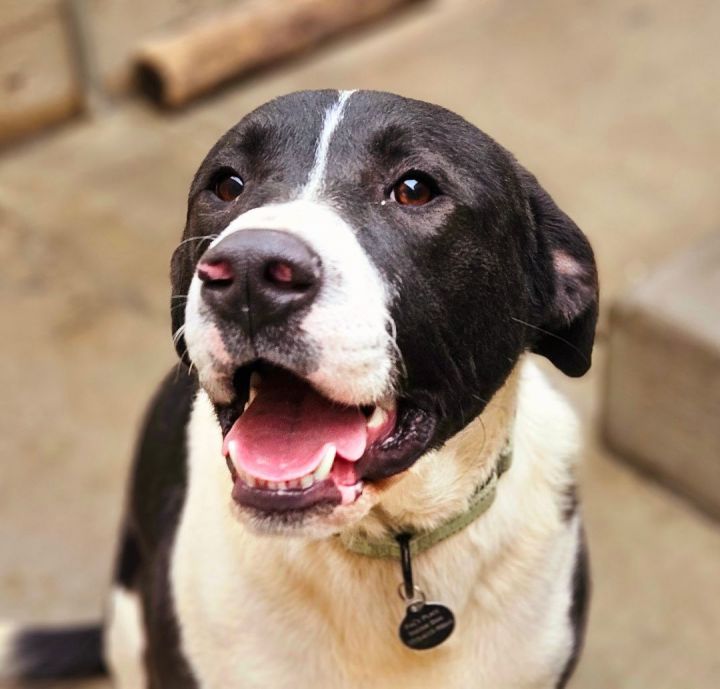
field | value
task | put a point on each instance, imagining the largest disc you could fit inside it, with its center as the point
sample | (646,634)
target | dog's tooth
(297,483)
(377,418)
(254,385)
(272,485)
(325,465)
(250,480)
(307,481)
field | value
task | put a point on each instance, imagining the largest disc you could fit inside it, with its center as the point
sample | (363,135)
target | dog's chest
(267,629)
(251,617)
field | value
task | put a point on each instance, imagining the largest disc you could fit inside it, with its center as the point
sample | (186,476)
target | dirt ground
(614,105)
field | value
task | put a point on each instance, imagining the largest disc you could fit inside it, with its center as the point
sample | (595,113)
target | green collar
(420,541)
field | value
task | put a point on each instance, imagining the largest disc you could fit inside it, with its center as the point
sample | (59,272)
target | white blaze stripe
(332,119)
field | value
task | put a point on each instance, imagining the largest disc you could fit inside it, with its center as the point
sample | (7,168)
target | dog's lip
(260,497)
(271,501)
(387,454)
(388,457)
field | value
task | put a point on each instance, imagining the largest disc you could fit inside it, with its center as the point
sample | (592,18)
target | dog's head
(362,273)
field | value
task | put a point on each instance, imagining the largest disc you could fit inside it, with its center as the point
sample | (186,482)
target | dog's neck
(440,484)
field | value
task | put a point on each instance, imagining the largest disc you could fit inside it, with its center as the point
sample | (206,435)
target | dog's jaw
(294,455)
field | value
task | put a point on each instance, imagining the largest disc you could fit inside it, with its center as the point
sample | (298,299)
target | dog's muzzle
(288,332)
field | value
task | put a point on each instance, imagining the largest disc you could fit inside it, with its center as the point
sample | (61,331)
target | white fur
(125,640)
(279,612)
(8,633)
(348,321)
(332,119)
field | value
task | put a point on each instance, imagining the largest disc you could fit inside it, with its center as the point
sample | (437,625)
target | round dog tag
(426,625)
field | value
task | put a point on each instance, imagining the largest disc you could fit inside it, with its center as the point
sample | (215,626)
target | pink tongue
(285,432)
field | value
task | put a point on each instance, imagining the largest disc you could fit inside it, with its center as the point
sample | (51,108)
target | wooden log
(173,69)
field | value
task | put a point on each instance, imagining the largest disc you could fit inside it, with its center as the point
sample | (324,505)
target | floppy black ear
(570,292)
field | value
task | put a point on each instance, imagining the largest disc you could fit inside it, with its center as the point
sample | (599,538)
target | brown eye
(228,187)
(413,191)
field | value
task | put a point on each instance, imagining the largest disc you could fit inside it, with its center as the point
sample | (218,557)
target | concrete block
(38,85)
(662,398)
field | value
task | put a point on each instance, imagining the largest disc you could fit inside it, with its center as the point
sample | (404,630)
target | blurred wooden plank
(38,86)
(662,404)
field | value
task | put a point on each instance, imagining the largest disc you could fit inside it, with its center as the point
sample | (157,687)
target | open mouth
(291,449)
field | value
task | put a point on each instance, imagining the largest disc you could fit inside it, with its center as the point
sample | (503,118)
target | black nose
(259,277)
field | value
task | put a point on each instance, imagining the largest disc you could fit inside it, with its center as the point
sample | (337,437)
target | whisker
(178,334)
(395,347)
(484,440)
(554,335)
(198,239)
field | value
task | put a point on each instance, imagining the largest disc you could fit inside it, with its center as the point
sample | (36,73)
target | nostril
(280,273)
(217,274)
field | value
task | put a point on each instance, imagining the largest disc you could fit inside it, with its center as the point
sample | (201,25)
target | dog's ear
(568,291)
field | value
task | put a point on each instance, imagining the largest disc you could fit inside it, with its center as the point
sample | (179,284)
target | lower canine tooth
(378,418)
(254,385)
(326,463)
(306,481)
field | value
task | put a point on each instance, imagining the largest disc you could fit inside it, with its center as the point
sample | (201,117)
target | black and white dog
(360,278)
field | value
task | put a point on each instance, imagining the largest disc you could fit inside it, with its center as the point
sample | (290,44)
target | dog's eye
(228,186)
(413,190)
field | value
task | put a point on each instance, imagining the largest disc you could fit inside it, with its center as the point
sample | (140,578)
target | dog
(359,478)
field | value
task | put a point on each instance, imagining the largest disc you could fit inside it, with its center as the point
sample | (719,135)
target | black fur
(157,493)
(63,653)
(128,560)
(569,502)
(579,608)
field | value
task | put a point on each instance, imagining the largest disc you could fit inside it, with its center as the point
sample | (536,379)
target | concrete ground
(614,105)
